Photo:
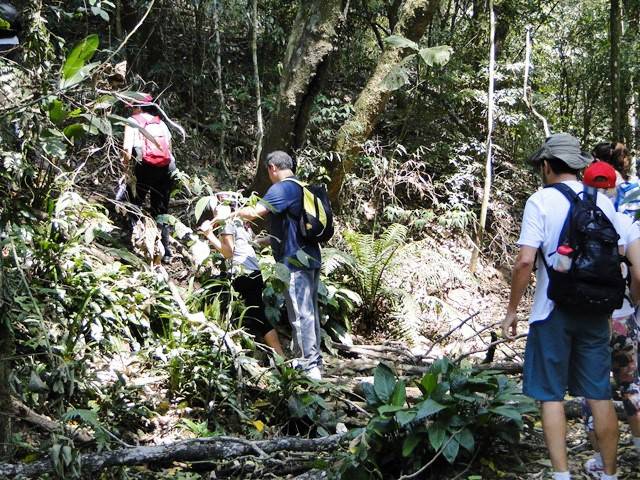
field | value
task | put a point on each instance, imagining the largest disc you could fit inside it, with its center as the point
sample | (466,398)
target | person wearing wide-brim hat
(565,350)
(147,140)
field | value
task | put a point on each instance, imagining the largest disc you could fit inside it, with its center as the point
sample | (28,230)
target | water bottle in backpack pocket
(586,274)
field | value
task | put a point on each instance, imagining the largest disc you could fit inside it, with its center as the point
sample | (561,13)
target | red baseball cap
(600,175)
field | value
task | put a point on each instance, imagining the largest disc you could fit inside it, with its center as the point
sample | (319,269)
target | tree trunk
(223,105)
(488,168)
(256,77)
(415,15)
(305,64)
(615,32)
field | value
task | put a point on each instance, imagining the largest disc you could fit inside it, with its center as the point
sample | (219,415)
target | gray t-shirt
(243,252)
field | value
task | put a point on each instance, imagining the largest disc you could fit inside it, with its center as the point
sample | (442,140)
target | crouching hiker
(579,283)
(234,242)
(624,322)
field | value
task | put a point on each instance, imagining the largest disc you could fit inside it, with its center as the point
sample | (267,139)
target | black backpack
(316,220)
(594,283)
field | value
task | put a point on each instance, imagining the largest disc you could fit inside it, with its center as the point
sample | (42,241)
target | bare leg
(554,425)
(271,338)
(634,423)
(606,429)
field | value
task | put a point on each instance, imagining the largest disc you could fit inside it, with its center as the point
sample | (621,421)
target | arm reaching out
(252,213)
(519,280)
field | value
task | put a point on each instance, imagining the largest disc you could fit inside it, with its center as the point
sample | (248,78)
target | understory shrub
(459,411)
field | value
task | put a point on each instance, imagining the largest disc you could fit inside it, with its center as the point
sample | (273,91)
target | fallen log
(22,412)
(192,450)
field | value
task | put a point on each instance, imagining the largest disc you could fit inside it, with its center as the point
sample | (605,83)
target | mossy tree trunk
(310,44)
(414,17)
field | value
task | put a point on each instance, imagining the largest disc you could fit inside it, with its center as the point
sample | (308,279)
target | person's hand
(509,325)
(222,214)
(206,226)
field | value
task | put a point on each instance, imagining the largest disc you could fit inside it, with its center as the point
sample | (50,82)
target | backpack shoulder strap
(573,197)
(566,190)
(140,119)
(295,180)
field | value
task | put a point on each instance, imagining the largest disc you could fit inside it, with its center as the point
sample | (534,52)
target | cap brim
(578,162)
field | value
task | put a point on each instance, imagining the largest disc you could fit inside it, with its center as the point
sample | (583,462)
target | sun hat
(564,147)
(137,99)
(600,175)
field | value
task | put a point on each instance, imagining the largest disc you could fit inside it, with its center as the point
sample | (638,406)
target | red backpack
(155,153)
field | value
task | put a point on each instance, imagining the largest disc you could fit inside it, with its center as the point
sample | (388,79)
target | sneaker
(314,374)
(593,468)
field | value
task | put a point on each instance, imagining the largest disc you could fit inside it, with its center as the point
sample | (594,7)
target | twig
(131,33)
(446,335)
(497,342)
(466,469)
(424,467)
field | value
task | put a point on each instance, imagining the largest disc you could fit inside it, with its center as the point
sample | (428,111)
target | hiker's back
(545,215)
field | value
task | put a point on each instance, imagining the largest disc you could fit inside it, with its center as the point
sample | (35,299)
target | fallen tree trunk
(22,412)
(193,450)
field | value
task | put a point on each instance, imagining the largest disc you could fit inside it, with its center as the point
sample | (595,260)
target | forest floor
(462,310)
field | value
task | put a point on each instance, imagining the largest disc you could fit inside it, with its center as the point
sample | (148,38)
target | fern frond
(333,259)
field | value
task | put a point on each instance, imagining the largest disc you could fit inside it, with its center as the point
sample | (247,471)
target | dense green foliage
(95,336)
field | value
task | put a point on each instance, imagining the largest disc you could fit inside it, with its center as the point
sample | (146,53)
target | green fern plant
(373,256)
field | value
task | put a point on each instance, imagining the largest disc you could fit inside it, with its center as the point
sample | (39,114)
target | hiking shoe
(593,468)
(314,374)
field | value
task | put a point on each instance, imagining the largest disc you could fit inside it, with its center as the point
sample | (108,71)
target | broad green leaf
(36,384)
(202,204)
(370,394)
(410,443)
(508,412)
(304,258)
(451,450)
(384,382)
(399,395)
(78,77)
(57,113)
(82,52)
(427,408)
(100,123)
(388,409)
(439,55)
(74,131)
(105,101)
(395,79)
(466,440)
(403,417)
(437,434)
(400,42)
(282,273)
(429,382)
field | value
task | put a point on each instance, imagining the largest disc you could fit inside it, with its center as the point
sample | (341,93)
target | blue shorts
(568,350)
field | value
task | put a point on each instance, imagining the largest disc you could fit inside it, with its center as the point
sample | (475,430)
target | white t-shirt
(243,252)
(631,232)
(544,216)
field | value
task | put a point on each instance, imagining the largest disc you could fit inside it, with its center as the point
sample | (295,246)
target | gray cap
(564,147)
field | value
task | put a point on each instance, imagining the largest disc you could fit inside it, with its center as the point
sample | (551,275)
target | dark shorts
(250,288)
(568,351)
